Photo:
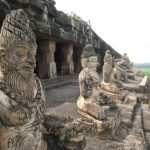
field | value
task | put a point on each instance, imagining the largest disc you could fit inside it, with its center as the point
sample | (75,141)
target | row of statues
(91,99)
(99,99)
(22,99)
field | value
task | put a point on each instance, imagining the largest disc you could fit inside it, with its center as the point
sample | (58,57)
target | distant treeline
(142,65)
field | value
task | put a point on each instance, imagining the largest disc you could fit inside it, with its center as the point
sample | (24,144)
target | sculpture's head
(17,54)
(108,52)
(89,57)
(17,45)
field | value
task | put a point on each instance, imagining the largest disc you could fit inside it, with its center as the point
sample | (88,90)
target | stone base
(137,85)
(90,126)
(110,87)
(118,98)
(73,143)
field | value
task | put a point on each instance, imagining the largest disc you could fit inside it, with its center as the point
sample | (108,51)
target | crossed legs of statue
(94,110)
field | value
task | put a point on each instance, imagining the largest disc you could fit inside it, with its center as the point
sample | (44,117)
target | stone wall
(55,29)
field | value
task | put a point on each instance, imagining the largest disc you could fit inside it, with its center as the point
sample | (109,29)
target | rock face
(59,37)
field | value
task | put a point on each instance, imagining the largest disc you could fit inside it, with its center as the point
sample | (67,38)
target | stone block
(126,113)
(135,141)
(146,117)
(147,136)
(103,129)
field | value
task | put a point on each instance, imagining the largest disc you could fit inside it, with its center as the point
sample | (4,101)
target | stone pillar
(77,59)
(51,60)
(48,65)
(67,60)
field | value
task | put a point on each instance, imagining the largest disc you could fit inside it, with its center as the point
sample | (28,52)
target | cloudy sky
(124,24)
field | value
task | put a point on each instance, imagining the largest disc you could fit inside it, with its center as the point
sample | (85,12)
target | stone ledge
(146,117)
(127,113)
(103,129)
(147,136)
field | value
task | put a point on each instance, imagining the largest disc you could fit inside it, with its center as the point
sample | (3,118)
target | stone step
(138,119)
(136,139)
(147,137)
(143,82)
(127,113)
(60,81)
(58,84)
(146,117)
(104,129)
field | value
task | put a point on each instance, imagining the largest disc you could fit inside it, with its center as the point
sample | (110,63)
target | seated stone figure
(91,100)
(21,97)
(125,62)
(123,69)
(109,83)
(107,67)
(21,94)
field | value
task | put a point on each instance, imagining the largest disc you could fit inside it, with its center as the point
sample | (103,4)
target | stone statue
(107,67)
(23,121)
(109,83)
(91,100)
(123,69)
(21,96)
(125,62)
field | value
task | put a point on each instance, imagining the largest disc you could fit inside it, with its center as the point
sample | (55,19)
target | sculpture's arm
(8,117)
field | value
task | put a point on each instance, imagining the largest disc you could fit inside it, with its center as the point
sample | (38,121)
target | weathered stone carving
(130,78)
(107,68)
(92,102)
(21,96)
(109,83)
(123,69)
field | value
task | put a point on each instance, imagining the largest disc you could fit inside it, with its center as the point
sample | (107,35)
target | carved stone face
(90,63)
(20,58)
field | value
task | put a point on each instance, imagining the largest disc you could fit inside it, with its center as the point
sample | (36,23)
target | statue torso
(21,121)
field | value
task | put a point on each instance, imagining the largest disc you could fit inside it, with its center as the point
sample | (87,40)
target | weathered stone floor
(134,133)
(59,91)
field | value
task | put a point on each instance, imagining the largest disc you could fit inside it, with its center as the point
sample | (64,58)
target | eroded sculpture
(91,101)
(21,95)
(109,82)
(123,69)
(89,85)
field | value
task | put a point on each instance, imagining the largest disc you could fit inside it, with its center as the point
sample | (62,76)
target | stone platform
(102,129)
(129,134)
(137,85)
(133,132)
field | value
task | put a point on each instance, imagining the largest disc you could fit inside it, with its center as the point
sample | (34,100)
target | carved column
(48,65)
(51,60)
(67,60)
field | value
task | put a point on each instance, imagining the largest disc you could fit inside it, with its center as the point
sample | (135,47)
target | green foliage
(144,67)
(147,74)
(141,65)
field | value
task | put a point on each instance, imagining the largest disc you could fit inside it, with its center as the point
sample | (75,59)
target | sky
(124,24)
